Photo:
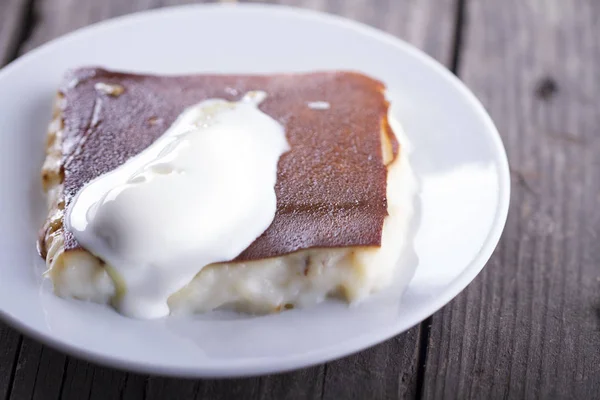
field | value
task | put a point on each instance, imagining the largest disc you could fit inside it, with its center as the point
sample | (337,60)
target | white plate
(458,158)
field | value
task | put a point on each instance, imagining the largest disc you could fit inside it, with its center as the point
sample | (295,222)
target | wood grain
(12,13)
(54,18)
(10,343)
(529,326)
(427,24)
(385,371)
(12,16)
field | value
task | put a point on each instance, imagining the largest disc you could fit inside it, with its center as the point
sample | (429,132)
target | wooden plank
(529,326)
(75,14)
(304,384)
(386,371)
(226,389)
(10,342)
(38,373)
(12,18)
(12,27)
(412,21)
(109,384)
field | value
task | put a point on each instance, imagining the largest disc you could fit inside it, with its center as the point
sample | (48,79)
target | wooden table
(529,325)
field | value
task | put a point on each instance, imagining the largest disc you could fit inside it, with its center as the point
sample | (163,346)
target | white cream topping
(200,194)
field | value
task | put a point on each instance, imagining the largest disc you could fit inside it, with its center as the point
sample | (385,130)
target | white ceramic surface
(458,158)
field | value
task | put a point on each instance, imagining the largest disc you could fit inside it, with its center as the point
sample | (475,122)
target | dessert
(342,190)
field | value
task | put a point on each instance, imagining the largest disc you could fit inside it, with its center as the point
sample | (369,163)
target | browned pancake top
(331,185)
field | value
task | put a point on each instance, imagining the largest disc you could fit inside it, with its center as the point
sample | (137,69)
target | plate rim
(348,347)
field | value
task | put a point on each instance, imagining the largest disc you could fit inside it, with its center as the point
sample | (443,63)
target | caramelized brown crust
(331,185)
